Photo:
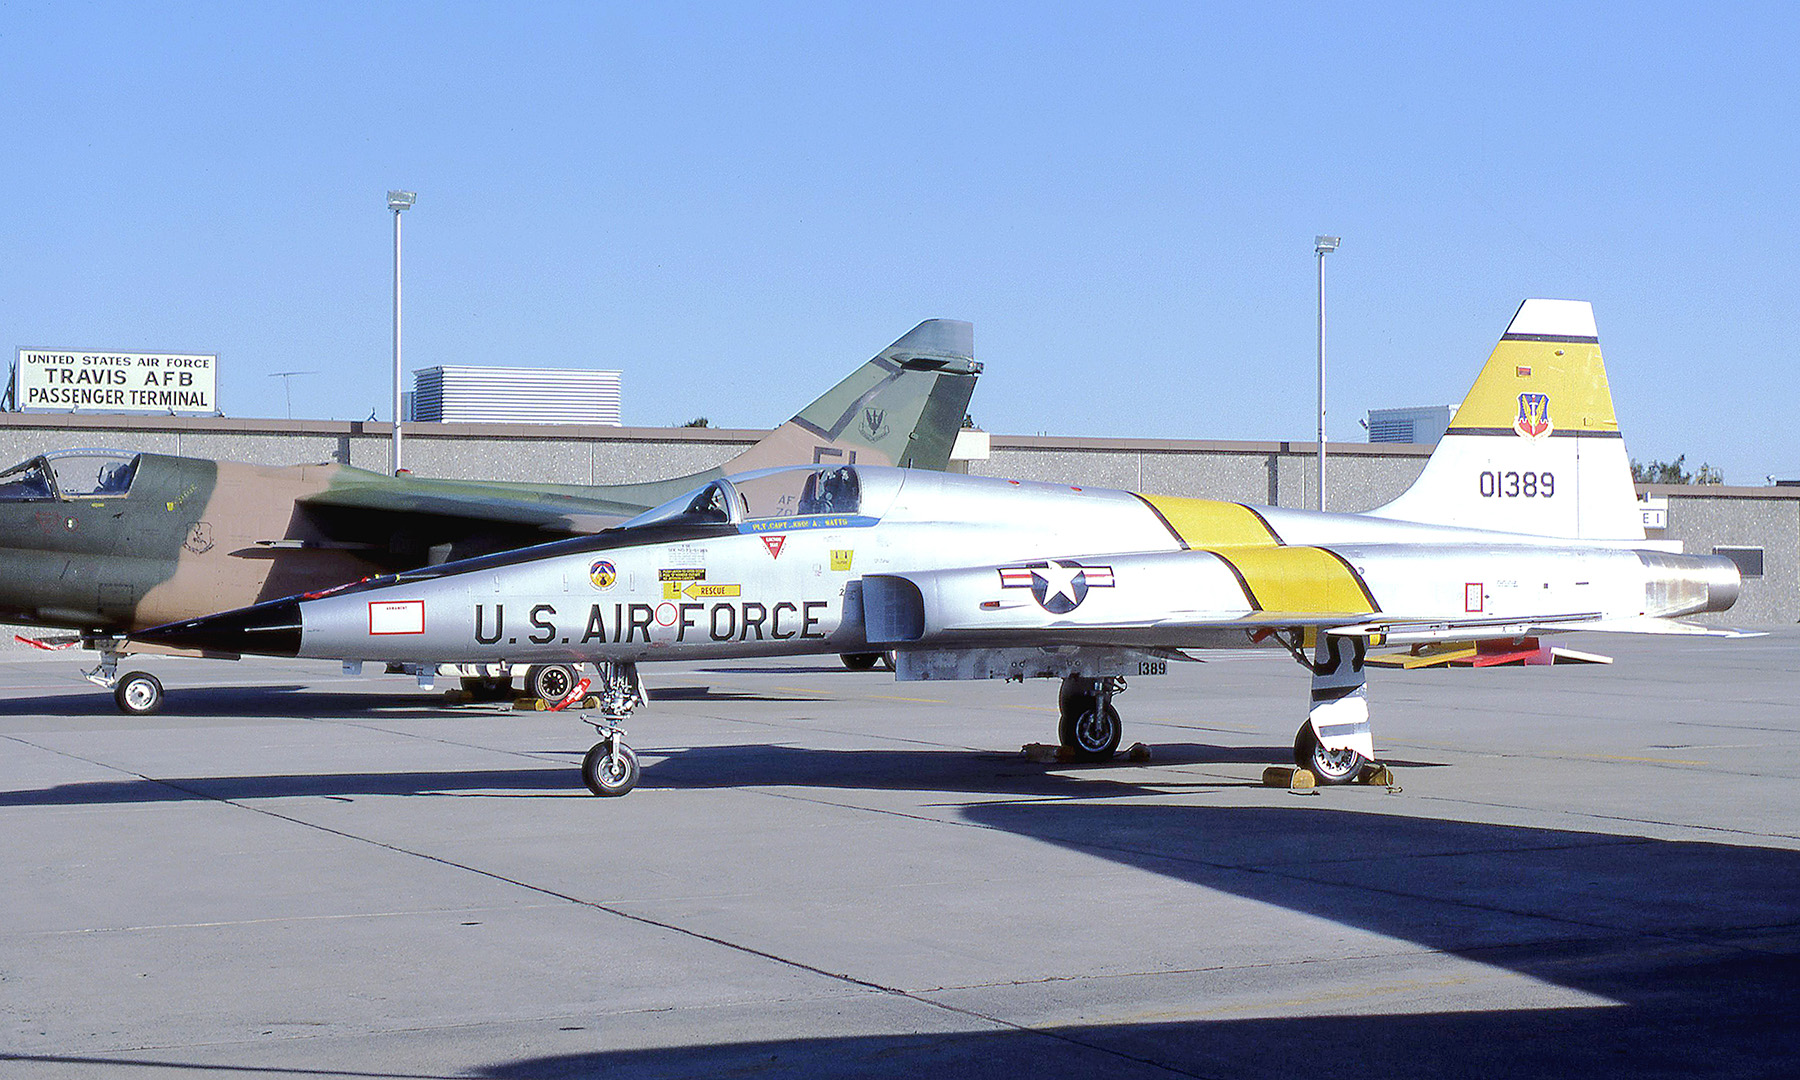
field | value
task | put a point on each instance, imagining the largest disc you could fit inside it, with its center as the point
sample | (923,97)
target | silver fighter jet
(1522,523)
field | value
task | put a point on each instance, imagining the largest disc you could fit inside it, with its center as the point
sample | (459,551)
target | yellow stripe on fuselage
(1570,372)
(1208,523)
(1302,580)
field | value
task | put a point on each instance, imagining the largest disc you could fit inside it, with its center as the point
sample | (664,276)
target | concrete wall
(1359,476)
(1705,518)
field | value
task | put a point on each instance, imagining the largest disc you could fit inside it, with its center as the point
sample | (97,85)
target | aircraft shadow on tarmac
(1696,943)
(270,701)
(749,765)
(300,701)
(695,768)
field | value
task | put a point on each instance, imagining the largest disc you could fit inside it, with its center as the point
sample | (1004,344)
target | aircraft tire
(1090,734)
(550,682)
(610,769)
(1327,766)
(860,661)
(138,693)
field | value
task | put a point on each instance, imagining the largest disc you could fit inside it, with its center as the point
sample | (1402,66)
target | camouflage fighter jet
(1524,522)
(105,542)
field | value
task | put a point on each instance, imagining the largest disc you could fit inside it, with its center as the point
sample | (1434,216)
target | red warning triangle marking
(773,543)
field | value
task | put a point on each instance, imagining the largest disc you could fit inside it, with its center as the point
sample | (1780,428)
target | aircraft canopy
(70,474)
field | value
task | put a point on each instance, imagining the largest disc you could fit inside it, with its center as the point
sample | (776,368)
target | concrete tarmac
(1588,871)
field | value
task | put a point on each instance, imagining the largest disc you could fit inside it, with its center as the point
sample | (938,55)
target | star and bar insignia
(1059,586)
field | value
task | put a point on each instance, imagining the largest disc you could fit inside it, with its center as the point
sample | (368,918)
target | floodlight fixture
(1321,244)
(403,200)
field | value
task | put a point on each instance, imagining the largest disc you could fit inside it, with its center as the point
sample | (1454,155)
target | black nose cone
(268,629)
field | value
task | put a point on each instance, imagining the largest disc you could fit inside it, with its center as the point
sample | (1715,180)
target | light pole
(1321,245)
(398,201)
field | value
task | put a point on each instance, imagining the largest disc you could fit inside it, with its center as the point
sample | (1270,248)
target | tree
(1671,472)
(698,421)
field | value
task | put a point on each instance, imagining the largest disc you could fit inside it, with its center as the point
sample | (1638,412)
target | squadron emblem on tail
(1534,416)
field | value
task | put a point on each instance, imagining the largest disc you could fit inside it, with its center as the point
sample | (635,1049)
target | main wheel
(610,769)
(552,682)
(1092,732)
(1329,766)
(860,661)
(139,693)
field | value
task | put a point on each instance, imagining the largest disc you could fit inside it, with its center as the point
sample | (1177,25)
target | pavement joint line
(1737,727)
(278,919)
(1526,755)
(643,920)
(1273,965)
(425,1029)
(1592,815)
(259,1070)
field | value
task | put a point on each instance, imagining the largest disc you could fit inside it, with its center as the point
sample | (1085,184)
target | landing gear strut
(610,767)
(1088,724)
(1335,744)
(136,693)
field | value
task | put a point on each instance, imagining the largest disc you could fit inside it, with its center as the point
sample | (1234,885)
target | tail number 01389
(1518,485)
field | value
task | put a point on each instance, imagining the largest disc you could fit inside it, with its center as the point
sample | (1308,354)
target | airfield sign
(71,380)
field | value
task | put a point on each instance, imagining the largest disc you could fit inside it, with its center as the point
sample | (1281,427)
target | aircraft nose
(267,629)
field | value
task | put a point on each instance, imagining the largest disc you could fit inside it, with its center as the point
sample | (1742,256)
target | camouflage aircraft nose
(266,629)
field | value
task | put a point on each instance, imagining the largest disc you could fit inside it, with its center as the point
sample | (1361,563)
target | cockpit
(70,474)
(770,494)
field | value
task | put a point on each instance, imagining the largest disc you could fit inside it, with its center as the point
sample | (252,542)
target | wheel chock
(1138,753)
(1377,776)
(534,704)
(1286,776)
(458,697)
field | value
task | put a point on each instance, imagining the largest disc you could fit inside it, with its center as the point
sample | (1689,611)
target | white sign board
(65,380)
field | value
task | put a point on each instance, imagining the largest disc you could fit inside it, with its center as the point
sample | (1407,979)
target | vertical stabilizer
(904,407)
(1535,447)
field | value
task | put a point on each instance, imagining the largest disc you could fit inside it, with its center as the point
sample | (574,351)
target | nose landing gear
(610,768)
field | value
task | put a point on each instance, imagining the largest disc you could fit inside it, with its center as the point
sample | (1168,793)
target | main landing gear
(1336,743)
(1087,723)
(136,693)
(610,767)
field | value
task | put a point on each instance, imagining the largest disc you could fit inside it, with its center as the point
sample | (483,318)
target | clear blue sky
(734,203)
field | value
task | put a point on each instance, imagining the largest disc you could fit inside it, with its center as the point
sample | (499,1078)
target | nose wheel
(610,768)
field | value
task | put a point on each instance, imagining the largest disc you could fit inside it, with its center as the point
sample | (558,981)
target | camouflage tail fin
(1535,447)
(904,407)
